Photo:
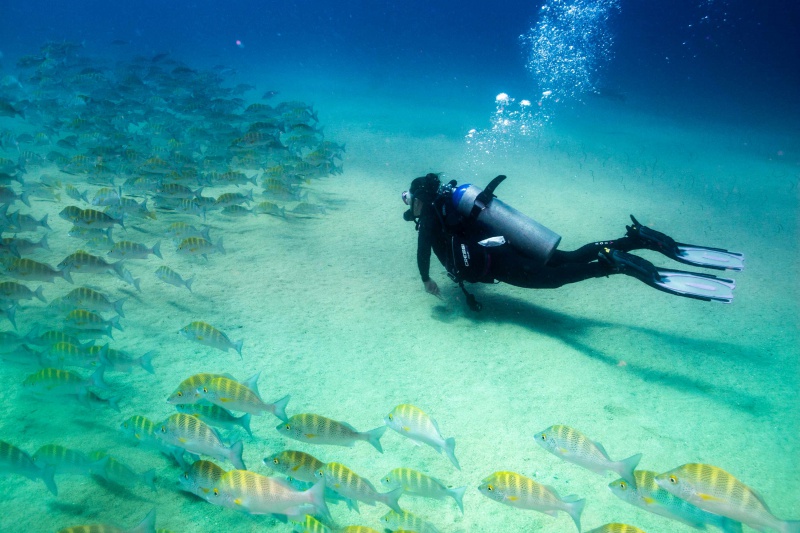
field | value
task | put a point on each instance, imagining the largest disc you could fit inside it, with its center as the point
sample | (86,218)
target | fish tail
(118,306)
(317,495)
(47,476)
(450,451)
(96,380)
(149,479)
(188,283)
(574,510)
(38,294)
(790,526)
(458,496)
(219,247)
(157,250)
(235,455)
(238,346)
(43,223)
(279,407)
(626,467)
(113,402)
(374,437)
(115,323)
(24,198)
(65,275)
(391,498)
(244,421)
(43,243)
(146,361)
(147,525)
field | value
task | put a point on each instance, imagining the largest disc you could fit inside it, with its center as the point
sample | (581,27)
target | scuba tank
(493,218)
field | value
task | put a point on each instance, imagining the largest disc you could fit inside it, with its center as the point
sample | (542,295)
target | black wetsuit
(466,260)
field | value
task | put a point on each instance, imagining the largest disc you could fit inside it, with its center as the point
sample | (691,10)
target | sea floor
(332,311)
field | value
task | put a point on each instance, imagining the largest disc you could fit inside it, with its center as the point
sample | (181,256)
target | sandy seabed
(332,311)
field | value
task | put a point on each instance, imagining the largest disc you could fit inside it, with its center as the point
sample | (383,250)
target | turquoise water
(330,308)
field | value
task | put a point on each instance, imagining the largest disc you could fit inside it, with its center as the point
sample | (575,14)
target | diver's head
(422,191)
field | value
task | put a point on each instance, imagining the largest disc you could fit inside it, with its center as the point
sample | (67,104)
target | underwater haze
(211,313)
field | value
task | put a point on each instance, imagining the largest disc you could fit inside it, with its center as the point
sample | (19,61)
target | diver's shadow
(573,331)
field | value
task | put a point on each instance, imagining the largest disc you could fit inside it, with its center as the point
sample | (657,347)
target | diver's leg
(510,267)
(590,252)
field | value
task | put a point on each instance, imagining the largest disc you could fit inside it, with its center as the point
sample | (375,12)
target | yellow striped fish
(15,461)
(187,390)
(216,416)
(647,495)
(64,354)
(521,492)
(195,436)
(85,263)
(616,527)
(408,521)
(120,361)
(201,478)
(193,246)
(83,320)
(67,461)
(418,484)
(318,429)
(309,524)
(208,335)
(134,250)
(231,394)
(121,474)
(11,290)
(52,383)
(167,275)
(148,525)
(29,270)
(573,446)
(357,529)
(257,494)
(92,300)
(143,431)
(716,491)
(412,422)
(358,489)
(297,465)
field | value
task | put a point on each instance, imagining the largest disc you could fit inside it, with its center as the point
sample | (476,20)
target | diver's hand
(432,288)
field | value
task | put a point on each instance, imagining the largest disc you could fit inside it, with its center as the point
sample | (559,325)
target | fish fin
(626,467)
(648,500)
(47,476)
(146,361)
(374,437)
(279,408)
(146,525)
(574,510)
(602,450)
(235,455)
(310,435)
(708,497)
(244,421)
(450,451)
(791,526)
(317,494)
(238,347)
(390,499)
(251,382)
(458,496)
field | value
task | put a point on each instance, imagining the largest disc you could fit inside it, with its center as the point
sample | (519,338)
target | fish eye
(180,393)
(276,461)
(490,488)
(287,426)
(623,485)
(163,429)
(216,492)
(205,389)
(673,479)
(391,417)
(544,437)
(186,475)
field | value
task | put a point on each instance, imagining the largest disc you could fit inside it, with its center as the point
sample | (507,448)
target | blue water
(690,115)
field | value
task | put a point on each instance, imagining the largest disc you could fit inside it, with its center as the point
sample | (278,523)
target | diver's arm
(424,256)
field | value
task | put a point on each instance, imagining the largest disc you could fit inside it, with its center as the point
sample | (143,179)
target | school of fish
(133,154)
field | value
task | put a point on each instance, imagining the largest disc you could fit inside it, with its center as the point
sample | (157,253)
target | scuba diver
(480,239)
